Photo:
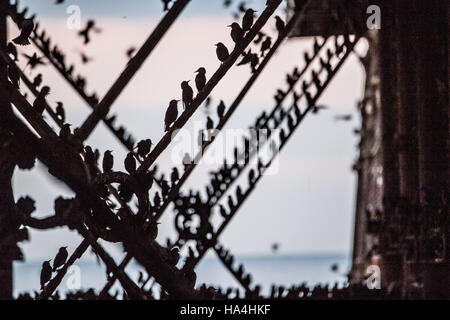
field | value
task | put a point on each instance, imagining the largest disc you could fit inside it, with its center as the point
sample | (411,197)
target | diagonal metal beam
(102,109)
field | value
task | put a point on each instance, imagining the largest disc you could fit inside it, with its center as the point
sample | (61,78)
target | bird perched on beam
(221,109)
(246,58)
(166,4)
(26,28)
(187,94)
(64,133)
(130,163)
(267,43)
(143,147)
(46,273)
(60,113)
(37,80)
(39,103)
(60,258)
(200,79)
(237,34)
(279,24)
(108,161)
(222,52)
(247,19)
(171,114)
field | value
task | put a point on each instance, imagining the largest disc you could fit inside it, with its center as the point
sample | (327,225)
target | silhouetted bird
(222,52)
(221,109)
(222,211)
(156,200)
(242,7)
(230,203)
(26,28)
(84,58)
(12,50)
(108,161)
(306,57)
(209,123)
(85,32)
(254,61)
(60,258)
(251,177)
(130,163)
(316,45)
(143,147)
(246,58)
(39,103)
(187,94)
(171,114)
(267,43)
(37,80)
(64,133)
(60,113)
(13,74)
(174,176)
(46,273)
(237,34)
(279,24)
(59,1)
(247,20)
(130,52)
(259,37)
(315,79)
(166,4)
(174,256)
(200,79)
(33,60)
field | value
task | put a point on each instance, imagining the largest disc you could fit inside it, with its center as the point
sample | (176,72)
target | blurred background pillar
(6,172)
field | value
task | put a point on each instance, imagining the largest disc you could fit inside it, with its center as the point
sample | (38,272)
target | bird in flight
(85,32)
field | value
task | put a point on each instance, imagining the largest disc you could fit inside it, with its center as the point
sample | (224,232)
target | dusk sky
(307,206)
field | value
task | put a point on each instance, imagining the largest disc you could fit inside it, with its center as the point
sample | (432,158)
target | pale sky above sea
(307,207)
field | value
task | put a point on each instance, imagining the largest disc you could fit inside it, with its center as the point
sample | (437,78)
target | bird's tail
(21,41)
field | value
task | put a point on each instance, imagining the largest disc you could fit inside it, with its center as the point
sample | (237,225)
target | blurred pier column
(6,172)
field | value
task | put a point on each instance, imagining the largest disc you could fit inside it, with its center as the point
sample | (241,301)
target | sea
(266,270)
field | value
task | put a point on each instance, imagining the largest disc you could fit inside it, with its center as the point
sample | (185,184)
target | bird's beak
(229,25)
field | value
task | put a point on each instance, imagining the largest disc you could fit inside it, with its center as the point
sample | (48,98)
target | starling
(251,177)
(26,28)
(221,109)
(84,58)
(279,25)
(46,273)
(13,74)
(246,58)
(267,43)
(247,20)
(156,200)
(39,103)
(222,211)
(34,60)
(237,34)
(259,37)
(175,176)
(130,163)
(85,32)
(187,94)
(144,147)
(37,80)
(59,1)
(200,79)
(108,161)
(64,133)
(60,258)
(222,52)
(209,123)
(254,61)
(166,4)
(60,113)
(130,52)
(171,114)
(12,50)
(174,256)
(230,203)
